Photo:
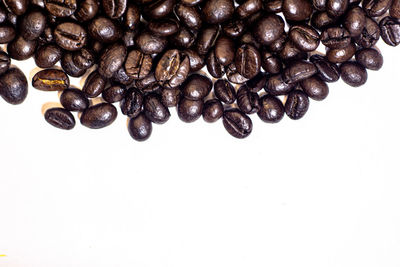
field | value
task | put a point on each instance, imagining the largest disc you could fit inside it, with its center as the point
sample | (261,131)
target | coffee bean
(131,104)
(218,11)
(213,110)
(163,27)
(247,101)
(271,109)
(132,16)
(269,29)
(138,64)
(296,105)
(224,50)
(353,74)
(5,62)
(234,76)
(159,9)
(120,76)
(114,8)
(149,43)
(322,20)
(17,7)
(296,10)
(342,54)
(214,68)
(196,87)
(112,60)
(50,80)
(140,127)
(237,123)
(369,58)
(68,65)
(390,31)
(155,110)
(74,100)
(195,60)
(304,37)
(270,63)
(94,85)
(189,110)
(184,38)
(87,10)
(188,15)
(291,53)
(277,86)
(315,88)
(171,97)
(257,83)
(83,58)
(60,118)
(114,93)
(47,55)
(21,49)
(336,38)
(172,69)
(206,39)
(224,91)
(354,21)
(376,8)
(248,61)
(13,86)
(70,36)
(327,71)
(61,8)
(273,6)
(32,25)
(7,34)
(336,8)
(249,8)
(370,34)
(99,116)
(395,9)
(234,28)
(104,30)
(319,5)
(298,71)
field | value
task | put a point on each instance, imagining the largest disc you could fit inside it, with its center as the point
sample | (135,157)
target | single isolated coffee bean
(104,30)
(297,104)
(212,110)
(94,85)
(68,65)
(296,10)
(7,34)
(237,123)
(83,58)
(376,8)
(32,25)
(112,60)
(87,10)
(277,86)
(336,37)
(298,71)
(355,21)
(218,11)
(369,58)
(99,116)
(17,7)
(140,127)
(341,55)
(214,68)
(353,74)
(270,62)
(21,49)
(60,118)
(269,29)
(271,109)
(13,86)
(224,50)
(50,80)
(370,34)
(206,39)
(336,8)
(196,61)
(114,8)
(163,27)
(74,100)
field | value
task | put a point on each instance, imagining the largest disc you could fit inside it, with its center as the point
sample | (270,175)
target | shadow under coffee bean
(146,56)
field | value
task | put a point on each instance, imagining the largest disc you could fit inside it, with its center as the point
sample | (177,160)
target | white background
(322,191)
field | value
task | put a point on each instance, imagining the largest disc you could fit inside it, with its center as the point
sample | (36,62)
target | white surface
(322,191)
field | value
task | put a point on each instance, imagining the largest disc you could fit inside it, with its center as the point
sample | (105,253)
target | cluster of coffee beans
(147,55)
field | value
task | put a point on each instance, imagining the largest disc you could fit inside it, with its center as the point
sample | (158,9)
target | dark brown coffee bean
(237,123)
(47,55)
(218,11)
(213,110)
(74,100)
(184,38)
(370,34)
(291,53)
(249,8)
(189,110)
(214,68)
(304,37)
(140,127)
(189,16)
(17,7)
(114,93)
(234,76)
(336,8)
(224,50)
(376,8)
(69,66)
(149,43)
(298,71)
(99,116)
(369,58)
(5,62)
(322,20)
(7,34)
(277,86)
(83,58)
(171,97)
(315,88)
(248,61)
(13,86)
(327,71)
(70,36)
(248,38)
(336,38)
(224,91)
(104,30)
(50,80)
(32,25)
(114,8)
(87,10)
(172,69)
(271,109)
(21,49)
(191,2)
(196,87)
(297,104)
(257,83)
(159,8)
(296,10)
(270,63)
(354,21)
(120,76)
(60,118)
(112,60)
(269,29)
(390,31)
(61,8)
(341,55)
(132,17)
(155,110)
(138,65)
(353,74)
(195,60)
(131,104)
(247,101)
(206,39)
(94,85)
(163,27)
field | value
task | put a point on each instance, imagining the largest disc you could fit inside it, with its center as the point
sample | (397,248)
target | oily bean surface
(60,118)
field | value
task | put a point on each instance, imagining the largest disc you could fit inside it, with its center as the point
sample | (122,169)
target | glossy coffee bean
(257,83)
(104,30)
(234,28)
(298,71)
(237,123)
(224,91)
(114,93)
(83,58)
(17,7)
(353,74)
(370,34)
(60,8)
(172,69)
(94,85)
(159,9)
(206,39)
(5,62)
(163,27)
(47,36)
(131,104)
(319,5)
(395,9)
(196,87)
(189,16)
(137,64)
(60,118)
(376,8)
(189,110)
(112,60)
(21,49)
(336,38)
(247,101)
(183,39)
(120,76)
(269,29)
(291,53)
(271,109)
(296,10)
(132,17)
(249,38)
(47,55)
(155,110)
(212,110)
(7,33)
(218,11)
(224,50)
(196,61)
(390,31)
(87,10)
(248,61)
(68,65)
(342,54)
(74,100)
(191,2)
(99,116)
(13,86)
(32,25)
(304,37)
(296,105)
(336,8)
(322,20)
(234,76)
(354,21)
(327,71)
(50,80)
(270,62)
(171,97)
(215,69)
(248,8)
(70,36)
(140,127)
(114,8)
(149,43)
(369,58)
(273,6)
(315,88)
(277,86)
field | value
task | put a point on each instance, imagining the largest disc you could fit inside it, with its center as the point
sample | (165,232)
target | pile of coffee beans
(147,55)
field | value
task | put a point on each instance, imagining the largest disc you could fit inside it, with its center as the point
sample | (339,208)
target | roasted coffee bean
(248,8)
(128,38)
(94,85)
(304,37)
(7,34)
(114,93)
(296,105)
(47,55)
(184,38)
(336,8)
(369,58)
(353,74)
(247,101)
(234,76)
(273,6)
(21,49)
(212,110)
(104,30)
(159,9)
(248,38)
(296,10)
(69,66)
(224,50)
(114,8)
(270,63)
(13,86)
(269,29)
(83,58)
(390,31)
(319,5)
(354,21)
(234,28)
(336,38)
(132,17)
(120,76)
(191,2)
(87,10)
(196,87)
(50,80)
(61,8)
(74,100)
(17,7)
(395,9)
(32,25)
(341,55)
(70,36)
(218,11)
(60,118)
(5,62)
(376,8)
(195,60)
(271,109)
(155,110)
(172,69)
(147,81)
(99,116)
(224,91)
(277,86)
(171,97)
(47,36)
(206,39)
(291,53)
(149,43)
(322,20)
(248,61)
(298,71)
(214,68)
(140,127)
(327,71)
(237,123)
(137,64)
(189,16)
(315,88)
(370,34)
(164,27)
(189,110)
(131,104)
(257,83)
(112,60)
